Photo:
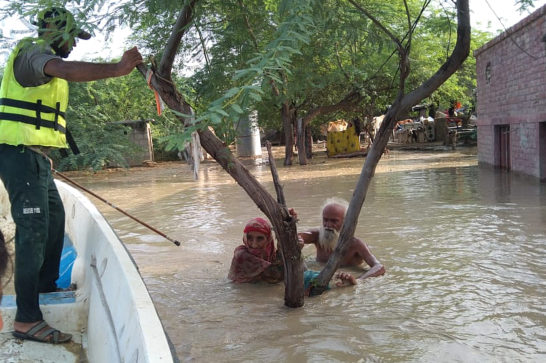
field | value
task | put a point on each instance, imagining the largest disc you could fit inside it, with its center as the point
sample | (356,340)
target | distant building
(511,98)
(140,135)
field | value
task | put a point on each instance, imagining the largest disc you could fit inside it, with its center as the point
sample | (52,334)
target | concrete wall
(511,77)
(141,135)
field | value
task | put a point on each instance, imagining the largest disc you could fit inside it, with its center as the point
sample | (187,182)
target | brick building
(511,98)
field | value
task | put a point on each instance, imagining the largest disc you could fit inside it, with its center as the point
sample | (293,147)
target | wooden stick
(116,208)
(276,180)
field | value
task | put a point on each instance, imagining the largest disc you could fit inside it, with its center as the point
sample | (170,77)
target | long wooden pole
(116,208)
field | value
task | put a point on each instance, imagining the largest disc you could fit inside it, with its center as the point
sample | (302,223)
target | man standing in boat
(33,103)
(325,239)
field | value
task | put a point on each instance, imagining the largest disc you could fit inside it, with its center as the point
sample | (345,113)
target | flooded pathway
(464,248)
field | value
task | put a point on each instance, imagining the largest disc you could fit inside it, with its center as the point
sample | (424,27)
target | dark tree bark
(402,105)
(308,143)
(288,114)
(300,141)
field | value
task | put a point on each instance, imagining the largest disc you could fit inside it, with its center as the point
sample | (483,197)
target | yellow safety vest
(32,115)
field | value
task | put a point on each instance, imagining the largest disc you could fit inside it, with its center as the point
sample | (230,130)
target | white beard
(328,238)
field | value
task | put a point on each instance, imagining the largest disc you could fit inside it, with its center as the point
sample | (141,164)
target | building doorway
(503,146)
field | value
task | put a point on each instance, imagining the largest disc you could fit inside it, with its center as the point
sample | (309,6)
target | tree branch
(350,100)
(168,92)
(203,45)
(283,223)
(338,59)
(408,16)
(378,24)
(247,23)
(275,175)
(452,64)
(184,19)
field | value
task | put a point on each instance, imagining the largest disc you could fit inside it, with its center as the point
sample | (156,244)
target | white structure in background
(248,136)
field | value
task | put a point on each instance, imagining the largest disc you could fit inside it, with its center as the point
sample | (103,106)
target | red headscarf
(248,263)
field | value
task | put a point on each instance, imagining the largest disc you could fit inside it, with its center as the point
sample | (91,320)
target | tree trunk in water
(302,154)
(288,114)
(308,142)
(283,223)
(349,225)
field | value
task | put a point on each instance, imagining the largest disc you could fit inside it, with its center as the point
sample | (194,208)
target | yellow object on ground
(342,142)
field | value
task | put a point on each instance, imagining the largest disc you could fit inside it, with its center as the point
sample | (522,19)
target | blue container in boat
(68,257)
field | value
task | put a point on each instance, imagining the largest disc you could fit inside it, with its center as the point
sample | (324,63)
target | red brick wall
(515,93)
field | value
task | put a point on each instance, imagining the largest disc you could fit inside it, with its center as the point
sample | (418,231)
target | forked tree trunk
(283,224)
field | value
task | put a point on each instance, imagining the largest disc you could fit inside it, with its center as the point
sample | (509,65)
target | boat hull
(112,310)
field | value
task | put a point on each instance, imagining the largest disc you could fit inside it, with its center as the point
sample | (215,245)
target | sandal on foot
(42,332)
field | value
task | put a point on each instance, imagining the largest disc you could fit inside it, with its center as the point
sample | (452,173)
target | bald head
(333,214)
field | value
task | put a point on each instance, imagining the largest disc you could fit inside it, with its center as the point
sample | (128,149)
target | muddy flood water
(464,248)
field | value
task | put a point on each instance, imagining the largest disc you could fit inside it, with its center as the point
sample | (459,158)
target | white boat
(111,314)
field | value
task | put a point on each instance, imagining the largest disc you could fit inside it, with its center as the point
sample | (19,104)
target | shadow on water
(464,247)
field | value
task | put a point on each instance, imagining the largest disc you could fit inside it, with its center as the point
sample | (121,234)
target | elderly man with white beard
(326,237)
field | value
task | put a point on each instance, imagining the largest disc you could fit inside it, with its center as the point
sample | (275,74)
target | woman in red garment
(256,259)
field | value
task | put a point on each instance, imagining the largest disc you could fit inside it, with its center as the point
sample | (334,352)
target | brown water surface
(464,248)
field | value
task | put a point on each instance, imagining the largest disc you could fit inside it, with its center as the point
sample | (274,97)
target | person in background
(256,259)
(33,105)
(325,238)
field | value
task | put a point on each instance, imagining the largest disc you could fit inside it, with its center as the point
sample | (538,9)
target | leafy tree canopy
(312,52)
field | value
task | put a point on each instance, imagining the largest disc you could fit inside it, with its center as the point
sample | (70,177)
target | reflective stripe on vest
(32,115)
(38,108)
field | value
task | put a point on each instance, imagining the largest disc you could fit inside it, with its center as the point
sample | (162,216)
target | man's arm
(87,71)
(376,268)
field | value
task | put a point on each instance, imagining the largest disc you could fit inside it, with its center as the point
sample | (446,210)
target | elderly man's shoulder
(357,240)
(358,243)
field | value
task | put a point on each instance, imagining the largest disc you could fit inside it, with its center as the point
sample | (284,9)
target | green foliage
(242,89)
(313,52)
(318,66)
(525,4)
(434,41)
(462,84)
(100,145)
(93,109)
